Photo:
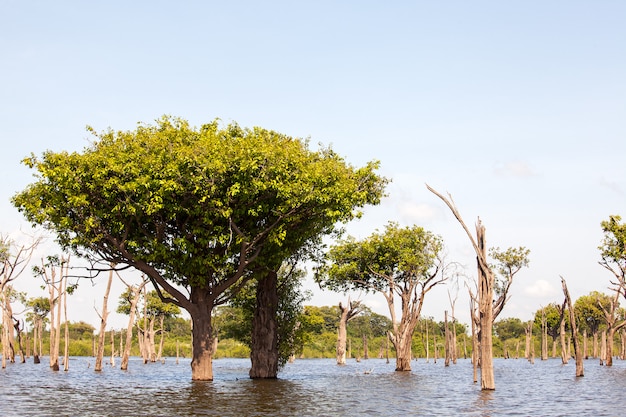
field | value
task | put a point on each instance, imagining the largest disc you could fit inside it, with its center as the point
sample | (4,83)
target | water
(315,387)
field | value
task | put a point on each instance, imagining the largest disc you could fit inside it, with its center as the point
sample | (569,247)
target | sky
(516,109)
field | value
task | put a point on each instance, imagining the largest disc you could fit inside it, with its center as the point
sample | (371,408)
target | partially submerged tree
(192,208)
(347,312)
(488,286)
(54,273)
(580,371)
(128,305)
(590,315)
(39,310)
(399,262)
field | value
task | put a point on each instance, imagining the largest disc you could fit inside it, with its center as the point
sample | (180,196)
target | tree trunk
(603,347)
(610,335)
(403,352)
(136,293)
(544,336)
(574,329)
(342,333)
(162,338)
(66,350)
(103,324)
(202,345)
(447,339)
(264,352)
(485,301)
(595,343)
(564,356)
(366,354)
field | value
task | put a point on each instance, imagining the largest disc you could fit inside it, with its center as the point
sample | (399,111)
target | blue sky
(517,109)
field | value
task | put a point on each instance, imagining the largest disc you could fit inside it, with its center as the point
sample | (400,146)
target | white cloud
(541,288)
(417,213)
(514,169)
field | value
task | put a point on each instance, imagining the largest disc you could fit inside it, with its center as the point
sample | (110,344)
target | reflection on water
(312,388)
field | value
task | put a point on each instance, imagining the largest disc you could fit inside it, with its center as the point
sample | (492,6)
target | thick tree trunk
(485,301)
(403,353)
(202,346)
(264,351)
(342,333)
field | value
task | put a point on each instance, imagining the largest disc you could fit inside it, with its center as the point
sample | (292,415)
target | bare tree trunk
(585,347)
(595,343)
(135,293)
(474,344)
(610,336)
(66,351)
(103,323)
(427,344)
(366,354)
(564,356)
(485,300)
(528,329)
(37,339)
(603,347)
(162,338)
(544,336)
(447,340)
(574,329)
(112,348)
(342,333)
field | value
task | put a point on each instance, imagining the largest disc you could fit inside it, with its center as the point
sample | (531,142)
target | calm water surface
(315,387)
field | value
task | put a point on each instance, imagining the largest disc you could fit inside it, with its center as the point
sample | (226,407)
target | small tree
(402,263)
(613,251)
(39,310)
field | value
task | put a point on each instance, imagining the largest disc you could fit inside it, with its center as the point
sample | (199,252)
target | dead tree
(580,371)
(347,313)
(104,314)
(486,280)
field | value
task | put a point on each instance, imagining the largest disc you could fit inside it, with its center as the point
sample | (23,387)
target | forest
(219,220)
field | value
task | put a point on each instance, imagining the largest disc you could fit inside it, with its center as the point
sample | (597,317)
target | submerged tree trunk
(572,317)
(135,293)
(485,300)
(544,335)
(264,352)
(447,340)
(202,346)
(347,312)
(103,324)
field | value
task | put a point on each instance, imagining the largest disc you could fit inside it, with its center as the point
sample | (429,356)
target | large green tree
(192,208)
(401,263)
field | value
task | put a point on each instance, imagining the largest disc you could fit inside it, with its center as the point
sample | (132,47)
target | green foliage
(399,255)
(509,328)
(613,250)
(183,200)
(588,310)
